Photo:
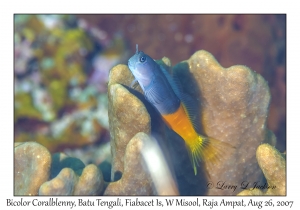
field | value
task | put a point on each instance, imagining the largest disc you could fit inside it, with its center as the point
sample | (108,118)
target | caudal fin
(209,150)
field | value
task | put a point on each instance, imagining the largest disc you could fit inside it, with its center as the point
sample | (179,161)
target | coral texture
(63,184)
(127,117)
(72,177)
(32,167)
(90,182)
(273,165)
(68,183)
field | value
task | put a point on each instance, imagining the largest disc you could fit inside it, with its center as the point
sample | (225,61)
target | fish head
(143,68)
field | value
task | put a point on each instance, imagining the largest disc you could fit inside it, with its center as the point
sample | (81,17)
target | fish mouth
(132,62)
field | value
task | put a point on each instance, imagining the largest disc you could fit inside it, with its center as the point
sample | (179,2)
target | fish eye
(142,59)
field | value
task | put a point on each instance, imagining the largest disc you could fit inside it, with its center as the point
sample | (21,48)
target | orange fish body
(181,124)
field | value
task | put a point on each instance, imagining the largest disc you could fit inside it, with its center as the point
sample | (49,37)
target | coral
(273,165)
(90,182)
(69,176)
(32,167)
(74,178)
(127,117)
(63,184)
(233,105)
(135,179)
(234,108)
(54,103)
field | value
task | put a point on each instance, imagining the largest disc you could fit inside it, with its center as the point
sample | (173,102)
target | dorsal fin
(191,109)
(174,86)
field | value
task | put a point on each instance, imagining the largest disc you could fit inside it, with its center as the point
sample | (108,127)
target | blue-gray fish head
(143,68)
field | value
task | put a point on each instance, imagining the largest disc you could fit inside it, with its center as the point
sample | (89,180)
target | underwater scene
(149,104)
